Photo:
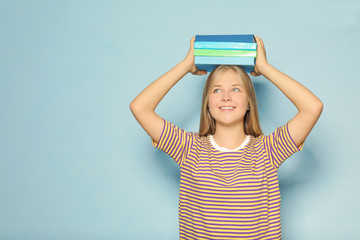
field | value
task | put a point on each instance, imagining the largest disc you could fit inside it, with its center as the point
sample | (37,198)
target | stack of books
(211,51)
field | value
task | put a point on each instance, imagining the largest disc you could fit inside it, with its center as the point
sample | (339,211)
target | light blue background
(74,163)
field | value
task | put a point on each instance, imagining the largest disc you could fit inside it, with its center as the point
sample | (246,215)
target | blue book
(225,60)
(247,38)
(225,45)
(209,63)
(210,67)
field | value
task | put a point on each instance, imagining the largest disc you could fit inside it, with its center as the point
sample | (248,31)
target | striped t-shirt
(228,194)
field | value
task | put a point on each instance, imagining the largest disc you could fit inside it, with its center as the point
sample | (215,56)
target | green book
(224,53)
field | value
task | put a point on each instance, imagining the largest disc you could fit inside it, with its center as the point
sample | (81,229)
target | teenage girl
(229,187)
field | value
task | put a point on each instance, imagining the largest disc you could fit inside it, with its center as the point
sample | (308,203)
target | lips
(227,108)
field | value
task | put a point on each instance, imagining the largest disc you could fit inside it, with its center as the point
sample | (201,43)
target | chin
(230,123)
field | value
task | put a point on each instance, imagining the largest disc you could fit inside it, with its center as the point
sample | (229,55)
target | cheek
(212,101)
(242,101)
(241,97)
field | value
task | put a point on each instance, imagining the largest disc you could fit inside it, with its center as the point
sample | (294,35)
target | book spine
(211,67)
(242,61)
(226,38)
(225,45)
(224,53)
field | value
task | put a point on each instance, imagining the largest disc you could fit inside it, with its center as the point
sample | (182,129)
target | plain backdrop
(75,164)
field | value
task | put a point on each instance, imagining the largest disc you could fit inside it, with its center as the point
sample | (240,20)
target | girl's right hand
(190,60)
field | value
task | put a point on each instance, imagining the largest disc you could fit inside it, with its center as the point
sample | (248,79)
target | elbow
(320,105)
(313,110)
(134,107)
(138,108)
(317,107)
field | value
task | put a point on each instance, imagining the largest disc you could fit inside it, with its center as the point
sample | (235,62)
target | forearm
(143,106)
(304,100)
(150,97)
(308,105)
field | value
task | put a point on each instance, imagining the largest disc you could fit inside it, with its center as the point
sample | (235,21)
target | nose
(226,96)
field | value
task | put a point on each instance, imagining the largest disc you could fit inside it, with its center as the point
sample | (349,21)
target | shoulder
(256,141)
(173,131)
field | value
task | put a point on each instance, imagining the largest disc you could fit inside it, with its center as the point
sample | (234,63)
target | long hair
(251,118)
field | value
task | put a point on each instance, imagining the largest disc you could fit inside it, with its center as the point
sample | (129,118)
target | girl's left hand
(260,58)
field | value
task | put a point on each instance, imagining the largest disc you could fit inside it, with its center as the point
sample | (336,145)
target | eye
(236,90)
(216,90)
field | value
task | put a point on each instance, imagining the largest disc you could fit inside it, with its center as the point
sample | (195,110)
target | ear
(248,103)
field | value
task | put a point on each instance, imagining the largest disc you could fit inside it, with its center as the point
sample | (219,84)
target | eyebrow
(237,84)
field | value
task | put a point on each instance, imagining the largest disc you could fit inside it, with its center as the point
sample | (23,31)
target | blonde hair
(251,118)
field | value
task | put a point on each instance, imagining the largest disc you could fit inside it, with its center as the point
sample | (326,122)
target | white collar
(223,149)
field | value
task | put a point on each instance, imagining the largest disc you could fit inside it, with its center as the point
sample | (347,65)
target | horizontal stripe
(230,178)
(224,53)
(208,171)
(218,212)
(242,206)
(226,219)
(187,191)
(239,200)
(228,232)
(244,38)
(222,214)
(250,61)
(225,45)
(222,190)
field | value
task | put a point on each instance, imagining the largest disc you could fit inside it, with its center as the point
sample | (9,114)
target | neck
(229,136)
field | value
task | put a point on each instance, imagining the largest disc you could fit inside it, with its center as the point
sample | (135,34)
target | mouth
(228,108)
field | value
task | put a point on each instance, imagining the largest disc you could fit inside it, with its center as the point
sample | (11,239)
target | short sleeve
(175,142)
(279,146)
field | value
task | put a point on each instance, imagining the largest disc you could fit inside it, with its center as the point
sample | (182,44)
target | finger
(194,70)
(202,72)
(259,41)
(199,72)
(192,41)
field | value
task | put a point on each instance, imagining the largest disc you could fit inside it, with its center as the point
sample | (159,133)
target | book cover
(224,53)
(225,45)
(247,38)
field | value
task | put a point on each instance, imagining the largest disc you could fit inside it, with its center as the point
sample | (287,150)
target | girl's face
(228,100)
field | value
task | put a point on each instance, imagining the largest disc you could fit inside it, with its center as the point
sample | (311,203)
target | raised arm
(308,105)
(144,104)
